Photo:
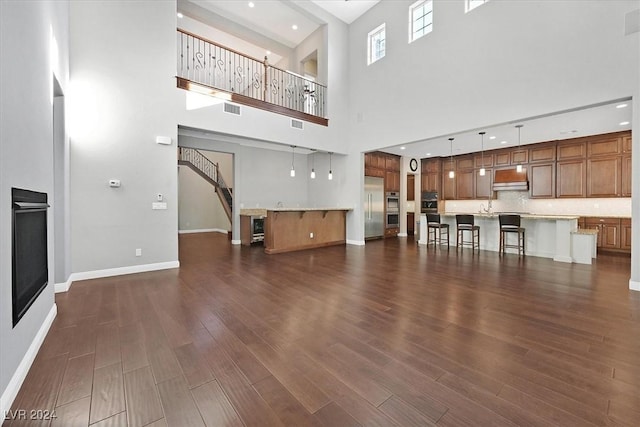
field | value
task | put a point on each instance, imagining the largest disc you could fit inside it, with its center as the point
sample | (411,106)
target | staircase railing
(210,172)
(206,63)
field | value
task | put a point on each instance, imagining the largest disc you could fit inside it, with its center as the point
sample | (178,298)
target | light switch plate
(158,206)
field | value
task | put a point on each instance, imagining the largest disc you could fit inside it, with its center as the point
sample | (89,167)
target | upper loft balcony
(209,68)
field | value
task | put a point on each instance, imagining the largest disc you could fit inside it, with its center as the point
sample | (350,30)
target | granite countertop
(263,211)
(522,215)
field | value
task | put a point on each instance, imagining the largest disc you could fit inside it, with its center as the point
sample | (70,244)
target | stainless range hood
(510,179)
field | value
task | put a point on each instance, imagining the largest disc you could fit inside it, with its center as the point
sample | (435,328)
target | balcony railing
(207,67)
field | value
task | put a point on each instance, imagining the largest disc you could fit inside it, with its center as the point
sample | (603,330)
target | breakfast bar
(294,229)
(547,236)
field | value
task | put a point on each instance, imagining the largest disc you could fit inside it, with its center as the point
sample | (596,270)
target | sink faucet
(488,209)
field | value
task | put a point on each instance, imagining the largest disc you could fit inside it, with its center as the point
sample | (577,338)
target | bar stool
(466,223)
(510,223)
(437,228)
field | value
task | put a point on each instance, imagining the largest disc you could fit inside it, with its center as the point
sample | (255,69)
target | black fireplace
(29,251)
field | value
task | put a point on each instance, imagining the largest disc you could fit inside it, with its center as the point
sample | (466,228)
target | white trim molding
(355,242)
(236,242)
(62,287)
(9,394)
(109,272)
(634,286)
(204,230)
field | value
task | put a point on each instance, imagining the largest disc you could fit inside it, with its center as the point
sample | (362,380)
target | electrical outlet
(139,252)
(311,235)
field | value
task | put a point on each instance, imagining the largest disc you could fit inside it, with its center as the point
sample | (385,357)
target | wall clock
(413,164)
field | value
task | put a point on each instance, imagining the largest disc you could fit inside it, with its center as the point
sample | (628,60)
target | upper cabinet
(383,165)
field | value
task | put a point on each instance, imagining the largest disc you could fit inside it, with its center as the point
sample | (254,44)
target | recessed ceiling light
(294,26)
(268,52)
(503,142)
(492,137)
(621,105)
(251,4)
(180,15)
(568,131)
(624,123)
(428,154)
(403,148)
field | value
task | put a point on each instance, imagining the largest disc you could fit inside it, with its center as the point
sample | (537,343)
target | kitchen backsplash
(519,201)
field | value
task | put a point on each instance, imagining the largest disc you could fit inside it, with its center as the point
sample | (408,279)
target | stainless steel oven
(392,202)
(429,202)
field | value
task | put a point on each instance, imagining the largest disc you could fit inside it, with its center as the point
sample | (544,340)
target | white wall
(199,207)
(26,161)
(123,96)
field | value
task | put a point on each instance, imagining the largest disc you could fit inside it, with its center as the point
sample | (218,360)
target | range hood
(510,179)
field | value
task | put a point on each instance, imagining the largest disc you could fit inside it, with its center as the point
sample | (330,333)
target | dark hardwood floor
(387,334)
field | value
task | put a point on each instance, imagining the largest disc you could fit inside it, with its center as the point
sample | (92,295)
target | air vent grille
(231,108)
(297,124)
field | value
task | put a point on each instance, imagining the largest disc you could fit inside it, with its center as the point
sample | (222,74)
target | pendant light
(293,169)
(519,167)
(330,177)
(483,171)
(313,164)
(452,174)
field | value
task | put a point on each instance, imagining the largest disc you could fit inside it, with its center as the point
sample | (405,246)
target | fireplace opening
(29,249)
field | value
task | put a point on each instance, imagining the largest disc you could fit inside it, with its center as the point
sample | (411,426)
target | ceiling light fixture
(621,105)
(503,142)
(330,177)
(624,123)
(313,164)
(293,152)
(483,171)
(294,26)
(492,137)
(519,167)
(251,4)
(452,174)
(180,15)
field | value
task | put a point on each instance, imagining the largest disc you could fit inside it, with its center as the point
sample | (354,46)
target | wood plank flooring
(382,335)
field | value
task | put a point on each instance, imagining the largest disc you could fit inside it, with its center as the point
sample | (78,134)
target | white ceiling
(267,25)
(593,120)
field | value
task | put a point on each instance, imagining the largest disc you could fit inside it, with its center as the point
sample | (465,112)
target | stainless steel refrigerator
(373,207)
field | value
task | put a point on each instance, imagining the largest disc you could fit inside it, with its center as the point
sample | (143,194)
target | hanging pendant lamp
(483,171)
(330,177)
(452,174)
(293,169)
(313,164)
(519,167)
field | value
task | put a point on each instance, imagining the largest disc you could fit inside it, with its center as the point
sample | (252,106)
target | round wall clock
(413,164)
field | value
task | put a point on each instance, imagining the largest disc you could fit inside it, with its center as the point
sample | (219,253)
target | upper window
(472,4)
(420,19)
(376,44)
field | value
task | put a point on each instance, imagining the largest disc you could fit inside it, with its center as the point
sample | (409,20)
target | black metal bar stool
(437,228)
(510,223)
(467,223)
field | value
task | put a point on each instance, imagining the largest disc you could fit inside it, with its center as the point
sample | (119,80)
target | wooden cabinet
(545,152)
(604,177)
(626,144)
(571,178)
(464,184)
(519,156)
(502,158)
(411,187)
(542,178)
(431,166)
(392,181)
(483,184)
(392,163)
(485,160)
(571,150)
(604,147)
(614,234)
(625,234)
(448,186)
(391,232)
(464,162)
(411,223)
(625,185)
(430,182)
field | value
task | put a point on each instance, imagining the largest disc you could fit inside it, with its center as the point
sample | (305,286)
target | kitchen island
(294,229)
(547,236)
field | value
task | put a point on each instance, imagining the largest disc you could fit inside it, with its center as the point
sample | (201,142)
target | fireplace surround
(30,270)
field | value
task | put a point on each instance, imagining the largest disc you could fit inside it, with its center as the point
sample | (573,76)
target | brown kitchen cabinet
(502,158)
(464,184)
(545,152)
(448,186)
(411,187)
(430,182)
(571,178)
(625,186)
(571,150)
(484,184)
(392,163)
(614,234)
(604,176)
(519,156)
(411,223)
(392,181)
(542,178)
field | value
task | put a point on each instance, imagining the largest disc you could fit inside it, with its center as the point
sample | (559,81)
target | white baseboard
(236,242)
(62,287)
(204,230)
(355,242)
(562,259)
(109,272)
(402,235)
(9,394)
(634,286)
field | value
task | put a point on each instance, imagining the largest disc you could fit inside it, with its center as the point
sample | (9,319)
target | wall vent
(297,124)
(231,108)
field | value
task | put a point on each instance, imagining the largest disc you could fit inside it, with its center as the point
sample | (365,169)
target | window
(420,19)
(376,44)
(469,5)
